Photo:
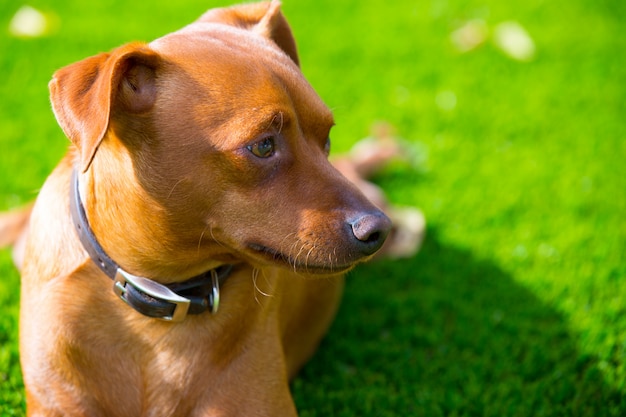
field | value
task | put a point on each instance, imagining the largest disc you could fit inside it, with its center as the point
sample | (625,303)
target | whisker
(172,190)
(255,276)
(306,259)
(269,285)
(214,238)
(201,237)
(291,260)
(297,256)
(282,121)
(282,242)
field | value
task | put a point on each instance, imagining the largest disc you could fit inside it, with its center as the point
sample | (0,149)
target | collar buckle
(151,298)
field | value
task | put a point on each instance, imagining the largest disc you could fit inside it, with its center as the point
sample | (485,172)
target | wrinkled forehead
(241,74)
(201,37)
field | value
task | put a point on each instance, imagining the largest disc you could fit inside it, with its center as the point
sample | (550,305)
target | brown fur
(160,134)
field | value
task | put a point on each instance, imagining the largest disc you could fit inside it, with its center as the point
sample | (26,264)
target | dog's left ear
(85,94)
(264,18)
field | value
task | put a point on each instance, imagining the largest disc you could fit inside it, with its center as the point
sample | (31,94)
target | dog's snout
(370,231)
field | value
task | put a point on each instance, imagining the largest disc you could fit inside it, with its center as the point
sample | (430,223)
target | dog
(186,257)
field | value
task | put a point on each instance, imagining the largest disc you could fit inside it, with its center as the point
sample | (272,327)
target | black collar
(170,302)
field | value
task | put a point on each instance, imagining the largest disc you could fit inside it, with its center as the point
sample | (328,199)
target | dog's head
(210,143)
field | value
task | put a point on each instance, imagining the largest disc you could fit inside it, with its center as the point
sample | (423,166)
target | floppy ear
(84,93)
(264,18)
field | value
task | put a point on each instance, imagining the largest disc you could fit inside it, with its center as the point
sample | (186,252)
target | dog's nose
(370,231)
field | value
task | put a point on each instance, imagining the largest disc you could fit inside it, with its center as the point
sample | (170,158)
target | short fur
(163,137)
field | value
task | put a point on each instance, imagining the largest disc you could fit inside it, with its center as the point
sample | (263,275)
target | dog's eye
(263,148)
(327,146)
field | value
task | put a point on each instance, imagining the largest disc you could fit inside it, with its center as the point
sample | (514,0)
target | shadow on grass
(448,334)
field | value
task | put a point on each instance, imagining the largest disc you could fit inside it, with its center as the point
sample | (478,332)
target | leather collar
(171,302)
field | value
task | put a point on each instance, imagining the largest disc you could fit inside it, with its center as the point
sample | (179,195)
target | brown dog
(198,178)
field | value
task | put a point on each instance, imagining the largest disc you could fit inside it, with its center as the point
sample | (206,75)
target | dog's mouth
(294,263)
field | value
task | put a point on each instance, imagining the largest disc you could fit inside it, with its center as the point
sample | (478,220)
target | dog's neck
(136,225)
(167,302)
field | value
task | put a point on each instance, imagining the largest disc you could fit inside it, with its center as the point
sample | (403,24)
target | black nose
(370,231)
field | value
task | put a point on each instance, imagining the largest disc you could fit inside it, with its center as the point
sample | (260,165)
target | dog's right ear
(84,93)
(264,18)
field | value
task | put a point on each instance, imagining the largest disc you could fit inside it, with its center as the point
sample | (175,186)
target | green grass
(516,304)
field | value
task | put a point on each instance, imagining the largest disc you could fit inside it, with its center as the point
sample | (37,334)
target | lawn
(516,305)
